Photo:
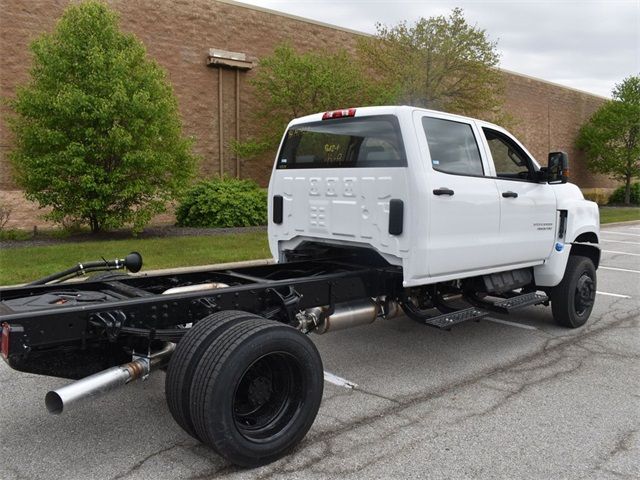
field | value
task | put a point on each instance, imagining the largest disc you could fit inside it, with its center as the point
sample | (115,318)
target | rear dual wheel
(248,387)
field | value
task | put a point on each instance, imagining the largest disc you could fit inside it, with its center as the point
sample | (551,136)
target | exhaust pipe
(61,399)
(346,315)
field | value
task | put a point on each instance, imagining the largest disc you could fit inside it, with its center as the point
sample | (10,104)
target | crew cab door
(461,203)
(527,207)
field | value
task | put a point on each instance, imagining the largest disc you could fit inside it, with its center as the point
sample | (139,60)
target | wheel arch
(586,244)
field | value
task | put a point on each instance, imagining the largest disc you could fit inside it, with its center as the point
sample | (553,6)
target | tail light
(348,112)
(4,343)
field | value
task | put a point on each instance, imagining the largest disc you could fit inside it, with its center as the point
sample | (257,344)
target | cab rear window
(373,141)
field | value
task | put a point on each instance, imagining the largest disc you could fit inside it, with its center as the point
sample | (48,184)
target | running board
(514,303)
(447,320)
(505,305)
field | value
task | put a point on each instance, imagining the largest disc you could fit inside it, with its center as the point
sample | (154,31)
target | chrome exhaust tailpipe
(58,401)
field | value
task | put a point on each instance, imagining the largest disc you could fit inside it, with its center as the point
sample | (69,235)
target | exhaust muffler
(346,315)
(61,399)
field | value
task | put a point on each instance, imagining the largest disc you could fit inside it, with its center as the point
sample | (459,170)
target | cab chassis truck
(372,211)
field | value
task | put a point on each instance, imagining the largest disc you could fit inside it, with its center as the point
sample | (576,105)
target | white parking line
(619,241)
(339,381)
(513,324)
(613,295)
(619,269)
(622,253)
(610,232)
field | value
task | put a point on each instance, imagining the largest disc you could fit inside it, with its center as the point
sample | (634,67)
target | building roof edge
(364,34)
(293,17)
(538,79)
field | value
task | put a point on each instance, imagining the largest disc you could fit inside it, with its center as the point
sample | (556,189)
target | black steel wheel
(268,396)
(573,298)
(185,359)
(256,391)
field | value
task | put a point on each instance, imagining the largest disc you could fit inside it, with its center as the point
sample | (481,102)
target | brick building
(215,102)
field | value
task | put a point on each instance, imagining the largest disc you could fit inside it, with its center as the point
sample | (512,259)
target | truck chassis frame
(140,313)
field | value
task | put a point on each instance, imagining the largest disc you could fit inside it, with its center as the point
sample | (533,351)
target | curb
(613,224)
(202,268)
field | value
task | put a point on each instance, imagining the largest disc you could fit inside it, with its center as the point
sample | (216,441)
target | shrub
(598,195)
(223,203)
(98,136)
(618,195)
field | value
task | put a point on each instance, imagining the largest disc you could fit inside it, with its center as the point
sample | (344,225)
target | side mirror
(558,167)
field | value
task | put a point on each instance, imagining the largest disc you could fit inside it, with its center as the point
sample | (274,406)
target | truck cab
(445,197)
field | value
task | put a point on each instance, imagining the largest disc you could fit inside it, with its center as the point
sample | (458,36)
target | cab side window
(452,146)
(509,159)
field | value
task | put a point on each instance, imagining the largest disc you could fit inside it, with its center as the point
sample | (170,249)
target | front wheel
(256,391)
(573,298)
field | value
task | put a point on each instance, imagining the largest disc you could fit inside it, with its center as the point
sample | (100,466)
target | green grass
(619,214)
(23,264)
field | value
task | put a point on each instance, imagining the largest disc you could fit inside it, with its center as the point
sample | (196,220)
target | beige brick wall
(548,117)
(178,34)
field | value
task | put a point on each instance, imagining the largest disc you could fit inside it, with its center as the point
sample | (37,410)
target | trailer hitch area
(58,401)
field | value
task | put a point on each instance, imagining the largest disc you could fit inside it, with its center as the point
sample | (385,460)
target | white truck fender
(580,235)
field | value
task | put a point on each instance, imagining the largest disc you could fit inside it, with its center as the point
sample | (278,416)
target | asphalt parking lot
(512,397)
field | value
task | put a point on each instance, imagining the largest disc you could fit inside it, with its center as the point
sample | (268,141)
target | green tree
(97,131)
(292,84)
(439,62)
(611,137)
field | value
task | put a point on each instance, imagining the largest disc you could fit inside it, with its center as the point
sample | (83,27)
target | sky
(589,45)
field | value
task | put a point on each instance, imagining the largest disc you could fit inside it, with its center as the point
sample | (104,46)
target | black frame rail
(276,291)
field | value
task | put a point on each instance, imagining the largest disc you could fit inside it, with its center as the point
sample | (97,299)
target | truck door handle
(509,194)
(443,191)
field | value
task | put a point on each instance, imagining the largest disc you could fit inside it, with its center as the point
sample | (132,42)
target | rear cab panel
(337,177)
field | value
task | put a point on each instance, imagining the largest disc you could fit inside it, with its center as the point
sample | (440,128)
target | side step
(447,320)
(509,304)
(505,305)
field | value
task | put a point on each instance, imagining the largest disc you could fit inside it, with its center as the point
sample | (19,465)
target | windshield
(373,141)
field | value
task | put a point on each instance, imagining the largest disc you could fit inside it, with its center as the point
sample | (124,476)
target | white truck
(459,204)
(371,211)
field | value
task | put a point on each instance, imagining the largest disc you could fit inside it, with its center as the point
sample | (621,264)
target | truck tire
(184,361)
(573,298)
(256,391)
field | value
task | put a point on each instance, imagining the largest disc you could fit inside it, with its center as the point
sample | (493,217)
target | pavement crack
(377,395)
(623,444)
(140,463)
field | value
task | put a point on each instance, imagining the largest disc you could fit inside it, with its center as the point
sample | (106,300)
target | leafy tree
(292,84)
(611,137)
(439,62)
(97,131)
